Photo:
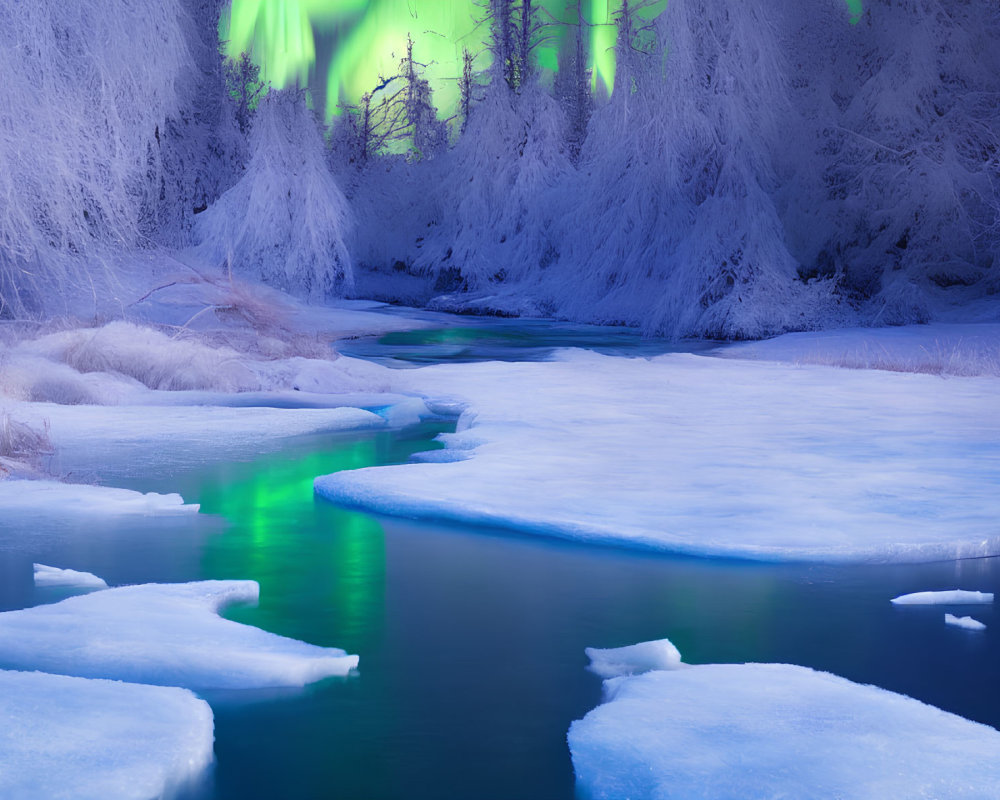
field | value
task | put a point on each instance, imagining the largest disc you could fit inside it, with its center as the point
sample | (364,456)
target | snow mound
(968,623)
(164,634)
(634,659)
(775,730)
(53,576)
(708,456)
(146,355)
(951,597)
(96,739)
(55,498)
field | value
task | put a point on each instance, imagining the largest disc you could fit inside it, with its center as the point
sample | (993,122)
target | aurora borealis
(342,47)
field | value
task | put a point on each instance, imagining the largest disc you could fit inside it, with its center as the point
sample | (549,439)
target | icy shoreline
(707,456)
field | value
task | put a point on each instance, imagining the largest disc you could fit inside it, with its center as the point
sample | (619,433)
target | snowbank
(968,623)
(937,349)
(96,739)
(121,362)
(634,659)
(50,498)
(775,730)
(54,576)
(707,456)
(951,597)
(164,634)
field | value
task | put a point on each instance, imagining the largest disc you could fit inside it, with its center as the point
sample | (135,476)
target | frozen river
(471,641)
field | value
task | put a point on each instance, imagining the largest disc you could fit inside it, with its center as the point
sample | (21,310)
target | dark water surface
(467,339)
(471,641)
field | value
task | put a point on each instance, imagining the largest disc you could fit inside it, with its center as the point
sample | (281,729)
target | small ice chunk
(166,634)
(968,623)
(775,730)
(952,597)
(55,498)
(634,659)
(70,578)
(96,739)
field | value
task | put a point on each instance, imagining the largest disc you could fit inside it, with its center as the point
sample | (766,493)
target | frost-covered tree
(427,134)
(202,148)
(895,189)
(572,83)
(490,230)
(285,221)
(671,225)
(87,88)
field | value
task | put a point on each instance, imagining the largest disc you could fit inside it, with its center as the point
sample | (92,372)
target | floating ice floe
(957,597)
(634,659)
(968,623)
(165,634)
(84,739)
(708,456)
(754,731)
(52,498)
(68,578)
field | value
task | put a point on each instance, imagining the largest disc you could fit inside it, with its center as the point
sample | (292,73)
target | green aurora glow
(347,45)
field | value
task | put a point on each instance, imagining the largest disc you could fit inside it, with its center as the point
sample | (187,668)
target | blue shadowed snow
(757,731)
(96,739)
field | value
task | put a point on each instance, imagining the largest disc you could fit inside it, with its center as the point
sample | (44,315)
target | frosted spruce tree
(285,221)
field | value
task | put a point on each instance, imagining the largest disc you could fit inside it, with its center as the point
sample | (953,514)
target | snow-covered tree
(895,190)
(87,88)
(285,221)
(671,225)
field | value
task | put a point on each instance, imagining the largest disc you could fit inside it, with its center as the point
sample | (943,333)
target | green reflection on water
(321,569)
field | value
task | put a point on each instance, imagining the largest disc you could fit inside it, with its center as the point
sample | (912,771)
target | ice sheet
(948,597)
(709,456)
(98,740)
(165,634)
(52,498)
(634,659)
(964,622)
(69,578)
(130,440)
(755,731)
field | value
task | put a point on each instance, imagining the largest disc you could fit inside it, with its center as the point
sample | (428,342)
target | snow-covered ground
(774,730)
(938,349)
(96,739)
(709,456)
(164,634)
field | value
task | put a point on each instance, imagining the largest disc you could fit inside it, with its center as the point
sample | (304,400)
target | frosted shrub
(86,88)
(21,446)
(284,222)
(148,356)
